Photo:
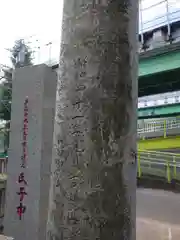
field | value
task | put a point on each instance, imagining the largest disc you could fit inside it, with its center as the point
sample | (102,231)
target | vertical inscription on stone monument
(21,208)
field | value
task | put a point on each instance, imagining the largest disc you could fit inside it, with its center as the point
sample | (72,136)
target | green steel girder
(160,63)
(159,111)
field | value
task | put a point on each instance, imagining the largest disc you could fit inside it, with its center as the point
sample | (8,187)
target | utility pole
(93,185)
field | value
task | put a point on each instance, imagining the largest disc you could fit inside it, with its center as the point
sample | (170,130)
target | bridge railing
(159,99)
(154,14)
(162,126)
(159,164)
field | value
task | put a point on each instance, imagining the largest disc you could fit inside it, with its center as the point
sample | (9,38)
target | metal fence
(159,164)
(157,13)
(157,26)
(162,125)
(159,99)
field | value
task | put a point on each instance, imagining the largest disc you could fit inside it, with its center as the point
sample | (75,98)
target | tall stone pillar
(93,185)
(30,152)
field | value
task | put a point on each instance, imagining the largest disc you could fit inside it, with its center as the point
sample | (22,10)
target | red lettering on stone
(22,193)
(21,210)
(21,178)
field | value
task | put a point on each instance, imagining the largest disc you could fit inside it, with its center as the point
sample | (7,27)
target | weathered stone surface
(93,184)
(39,84)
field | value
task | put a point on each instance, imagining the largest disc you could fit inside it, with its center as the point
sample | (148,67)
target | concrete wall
(39,84)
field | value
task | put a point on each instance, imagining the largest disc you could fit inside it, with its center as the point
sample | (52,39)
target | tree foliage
(6,94)
(5,110)
(18,60)
(19,45)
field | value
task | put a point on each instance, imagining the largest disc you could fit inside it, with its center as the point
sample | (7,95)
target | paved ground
(158,215)
(2,237)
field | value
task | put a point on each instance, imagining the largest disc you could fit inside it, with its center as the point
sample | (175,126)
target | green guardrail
(160,164)
(162,125)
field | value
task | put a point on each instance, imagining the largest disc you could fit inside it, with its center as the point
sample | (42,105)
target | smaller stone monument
(30,152)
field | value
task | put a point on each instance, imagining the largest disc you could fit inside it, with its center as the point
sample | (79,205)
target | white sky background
(23,18)
(153,9)
(42,20)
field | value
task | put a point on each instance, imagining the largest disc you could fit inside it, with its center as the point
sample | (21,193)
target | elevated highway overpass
(159,70)
(161,105)
(168,110)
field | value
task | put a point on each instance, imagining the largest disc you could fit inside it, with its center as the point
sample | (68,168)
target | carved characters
(21,208)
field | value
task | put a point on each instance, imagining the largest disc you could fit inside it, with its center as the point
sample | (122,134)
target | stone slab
(38,83)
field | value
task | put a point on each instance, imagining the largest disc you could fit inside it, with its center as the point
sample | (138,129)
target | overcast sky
(42,20)
(154,13)
(23,18)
